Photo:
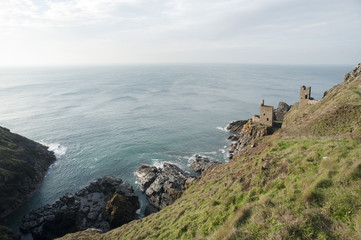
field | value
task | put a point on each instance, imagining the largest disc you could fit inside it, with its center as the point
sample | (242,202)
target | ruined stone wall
(305,95)
(266,115)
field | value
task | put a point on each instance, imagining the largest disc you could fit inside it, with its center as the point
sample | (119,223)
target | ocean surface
(108,120)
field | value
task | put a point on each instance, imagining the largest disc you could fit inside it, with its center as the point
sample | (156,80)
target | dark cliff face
(23,164)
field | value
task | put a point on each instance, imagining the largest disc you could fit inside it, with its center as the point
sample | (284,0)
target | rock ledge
(91,207)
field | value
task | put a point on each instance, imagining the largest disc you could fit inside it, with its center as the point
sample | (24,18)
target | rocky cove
(104,204)
(284,185)
(108,202)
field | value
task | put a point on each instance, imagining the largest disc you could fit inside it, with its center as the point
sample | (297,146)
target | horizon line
(168,64)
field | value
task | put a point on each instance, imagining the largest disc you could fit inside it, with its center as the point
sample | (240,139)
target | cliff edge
(301,182)
(23,164)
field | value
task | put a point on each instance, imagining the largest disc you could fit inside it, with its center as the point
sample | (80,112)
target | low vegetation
(303,182)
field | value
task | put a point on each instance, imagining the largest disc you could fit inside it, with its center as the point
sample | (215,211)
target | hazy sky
(77,32)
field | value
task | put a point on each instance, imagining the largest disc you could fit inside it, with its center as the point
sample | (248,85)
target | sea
(108,120)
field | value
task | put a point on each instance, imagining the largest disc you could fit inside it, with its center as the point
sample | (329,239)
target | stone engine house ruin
(266,115)
(305,96)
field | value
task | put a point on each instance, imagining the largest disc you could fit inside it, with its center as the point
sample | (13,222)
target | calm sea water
(108,120)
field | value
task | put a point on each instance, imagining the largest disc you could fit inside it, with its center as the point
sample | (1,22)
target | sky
(101,32)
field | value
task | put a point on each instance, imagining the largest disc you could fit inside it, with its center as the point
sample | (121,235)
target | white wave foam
(223,150)
(208,153)
(58,149)
(224,129)
(225,153)
(157,162)
(191,158)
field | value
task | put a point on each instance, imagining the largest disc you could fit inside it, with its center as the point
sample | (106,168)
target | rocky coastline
(201,163)
(254,175)
(105,204)
(164,185)
(247,131)
(109,202)
(23,165)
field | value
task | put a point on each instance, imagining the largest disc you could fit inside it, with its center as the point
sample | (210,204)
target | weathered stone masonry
(266,115)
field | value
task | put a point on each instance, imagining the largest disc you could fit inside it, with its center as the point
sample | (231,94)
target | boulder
(117,212)
(281,110)
(236,126)
(162,185)
(200,163)
(146,175)
(104,204)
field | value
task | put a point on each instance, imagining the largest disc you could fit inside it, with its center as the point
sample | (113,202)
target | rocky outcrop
(200,163)
(353,74)
(146,175)
(23,164)
(162,185)
(247,136)
(104,204)
(236,126)
(281,111)
(118,211)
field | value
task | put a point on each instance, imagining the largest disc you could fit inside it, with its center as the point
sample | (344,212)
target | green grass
(304,183)
(317,197)
(338,114)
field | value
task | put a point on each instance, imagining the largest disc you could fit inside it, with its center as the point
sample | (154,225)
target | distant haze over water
(108,120)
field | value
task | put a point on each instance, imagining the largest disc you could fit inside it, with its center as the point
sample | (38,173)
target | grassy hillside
(337,114)
(303,182)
